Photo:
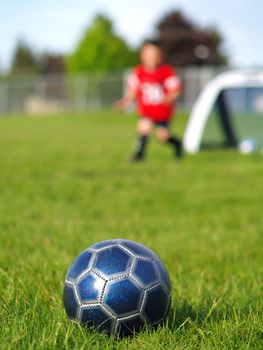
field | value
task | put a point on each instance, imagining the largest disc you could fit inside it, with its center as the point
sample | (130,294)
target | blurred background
(74,56)
(66,182)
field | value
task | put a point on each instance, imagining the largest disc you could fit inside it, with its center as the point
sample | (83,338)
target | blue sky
(56,25)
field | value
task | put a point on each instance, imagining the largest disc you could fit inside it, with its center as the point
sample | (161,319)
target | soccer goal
(228,112)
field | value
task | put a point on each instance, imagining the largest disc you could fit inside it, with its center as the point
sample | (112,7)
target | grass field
(65,183)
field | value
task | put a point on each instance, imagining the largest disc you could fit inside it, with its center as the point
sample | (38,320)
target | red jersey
(151,87)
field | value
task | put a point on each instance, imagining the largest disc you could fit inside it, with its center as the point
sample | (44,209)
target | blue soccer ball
(117,286)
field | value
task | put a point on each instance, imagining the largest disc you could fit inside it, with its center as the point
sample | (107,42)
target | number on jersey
(152,93)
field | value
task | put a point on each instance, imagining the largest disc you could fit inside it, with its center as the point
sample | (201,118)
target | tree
(186,43)
(101,49)
(52,64)
(24,60)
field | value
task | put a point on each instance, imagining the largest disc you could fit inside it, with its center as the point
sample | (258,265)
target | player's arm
(173,87)
(126,100)
(172,96)
(130,93)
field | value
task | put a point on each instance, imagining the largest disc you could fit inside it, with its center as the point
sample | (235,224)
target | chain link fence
(80,93)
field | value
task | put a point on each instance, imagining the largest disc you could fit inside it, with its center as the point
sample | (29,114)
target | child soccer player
(155,87)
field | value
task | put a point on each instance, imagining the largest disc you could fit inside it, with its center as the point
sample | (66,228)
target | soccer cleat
(136,158)
(179,150)
(177,145)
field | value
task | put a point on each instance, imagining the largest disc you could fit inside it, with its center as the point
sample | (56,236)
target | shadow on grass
(185,314)
(216,146)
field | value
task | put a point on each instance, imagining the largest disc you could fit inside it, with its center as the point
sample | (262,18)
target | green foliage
(24,60)
(65,183)
(100,49)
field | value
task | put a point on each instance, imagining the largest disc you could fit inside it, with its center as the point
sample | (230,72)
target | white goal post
(207,99)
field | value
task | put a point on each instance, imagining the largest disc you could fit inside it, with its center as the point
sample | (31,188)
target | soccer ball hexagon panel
(118,286)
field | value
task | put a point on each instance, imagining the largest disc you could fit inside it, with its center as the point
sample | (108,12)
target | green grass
(65,183)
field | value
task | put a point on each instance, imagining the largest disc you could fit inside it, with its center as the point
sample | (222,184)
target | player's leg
(164,135)
(145,127)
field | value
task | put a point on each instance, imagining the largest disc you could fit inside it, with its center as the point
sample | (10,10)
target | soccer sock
(177,144)
(140,147)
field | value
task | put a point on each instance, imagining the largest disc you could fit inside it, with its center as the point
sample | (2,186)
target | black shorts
(161,124)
